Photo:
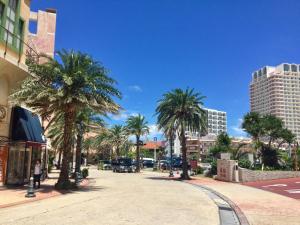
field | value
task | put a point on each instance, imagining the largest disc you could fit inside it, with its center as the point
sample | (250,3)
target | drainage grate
(226,213)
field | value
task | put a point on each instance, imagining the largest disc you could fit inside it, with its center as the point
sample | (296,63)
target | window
(294,68)
(1,12)
(20,33)
(286,67)
(10,20)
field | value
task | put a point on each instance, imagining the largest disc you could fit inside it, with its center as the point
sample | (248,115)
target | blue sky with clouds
(153,46)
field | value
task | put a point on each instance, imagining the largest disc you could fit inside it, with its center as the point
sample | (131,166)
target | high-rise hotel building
(276,91)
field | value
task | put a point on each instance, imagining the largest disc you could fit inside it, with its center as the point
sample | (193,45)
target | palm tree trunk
(137,154)
(78,152)
(185,175)
(59,158)
(118,151)
(63,180)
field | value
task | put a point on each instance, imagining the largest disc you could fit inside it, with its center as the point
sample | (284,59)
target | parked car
(148,163)
(106,165)
(122,165)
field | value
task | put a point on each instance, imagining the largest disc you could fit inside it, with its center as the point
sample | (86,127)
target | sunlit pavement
(120,198)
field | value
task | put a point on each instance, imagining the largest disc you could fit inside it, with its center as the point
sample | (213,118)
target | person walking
(37,174)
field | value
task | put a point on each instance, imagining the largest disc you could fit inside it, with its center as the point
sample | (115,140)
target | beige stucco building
(276,90)
(16,45)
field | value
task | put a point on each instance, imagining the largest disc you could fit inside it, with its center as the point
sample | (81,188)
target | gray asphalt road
(120,199)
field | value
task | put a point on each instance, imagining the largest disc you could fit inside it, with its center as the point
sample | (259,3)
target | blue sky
(153,46)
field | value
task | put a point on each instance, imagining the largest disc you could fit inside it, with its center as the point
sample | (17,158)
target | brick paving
(15,195)
(259,206)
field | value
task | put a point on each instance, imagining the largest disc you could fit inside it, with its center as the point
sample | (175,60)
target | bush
(213,171)
(244,163)
(85,173)
(100,165)
(50,163)
(270,157)
(199,170)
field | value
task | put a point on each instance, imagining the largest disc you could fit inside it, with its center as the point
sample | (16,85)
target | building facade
(216,124)
(276,91)
(216,121)
(21,140)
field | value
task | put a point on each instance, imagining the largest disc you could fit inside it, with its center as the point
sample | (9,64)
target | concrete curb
(241,216)
(85,183)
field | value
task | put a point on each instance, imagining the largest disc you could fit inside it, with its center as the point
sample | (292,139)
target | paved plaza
(120,199)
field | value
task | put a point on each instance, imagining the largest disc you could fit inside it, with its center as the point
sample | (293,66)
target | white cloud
(135,88)
(123,115)
(154,131)
(237,129)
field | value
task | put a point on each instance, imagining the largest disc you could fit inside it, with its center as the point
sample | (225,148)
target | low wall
(246,175)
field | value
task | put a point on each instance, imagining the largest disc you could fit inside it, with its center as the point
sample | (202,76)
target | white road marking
(275,185)
(293,191)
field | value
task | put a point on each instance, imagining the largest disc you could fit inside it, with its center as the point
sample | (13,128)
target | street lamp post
(155,140)
(171,152)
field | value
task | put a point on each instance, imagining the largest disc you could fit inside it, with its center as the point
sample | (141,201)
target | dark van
(122,165)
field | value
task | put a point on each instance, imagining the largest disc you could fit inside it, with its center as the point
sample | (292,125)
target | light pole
(155,141)
(171,154)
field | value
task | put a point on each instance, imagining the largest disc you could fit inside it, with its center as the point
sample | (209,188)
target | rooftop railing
(13,42)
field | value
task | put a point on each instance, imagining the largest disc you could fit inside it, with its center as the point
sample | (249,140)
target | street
(120,198)
(287,187)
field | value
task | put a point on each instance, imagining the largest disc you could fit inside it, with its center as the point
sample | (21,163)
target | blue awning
(26,126)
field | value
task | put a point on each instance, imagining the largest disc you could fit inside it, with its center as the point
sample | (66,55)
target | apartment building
(21,139)
(216,121)
(216,124)
(276,90)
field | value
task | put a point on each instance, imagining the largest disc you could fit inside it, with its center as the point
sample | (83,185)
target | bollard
(30,190)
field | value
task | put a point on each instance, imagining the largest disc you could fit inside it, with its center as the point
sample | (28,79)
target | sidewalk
(15,195)
(260,207)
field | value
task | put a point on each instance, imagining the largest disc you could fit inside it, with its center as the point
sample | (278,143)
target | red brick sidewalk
(260,207)
(11,196)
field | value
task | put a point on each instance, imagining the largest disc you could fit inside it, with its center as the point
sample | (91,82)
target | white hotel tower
(276,91)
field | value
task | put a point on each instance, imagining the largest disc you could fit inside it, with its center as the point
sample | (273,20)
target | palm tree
(117,136)
(181,110)
(66,86)
(137,126)
(86,121)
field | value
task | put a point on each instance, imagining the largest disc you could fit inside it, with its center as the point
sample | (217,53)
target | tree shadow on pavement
(164,178)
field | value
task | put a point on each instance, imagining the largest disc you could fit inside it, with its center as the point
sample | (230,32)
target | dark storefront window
(19,158)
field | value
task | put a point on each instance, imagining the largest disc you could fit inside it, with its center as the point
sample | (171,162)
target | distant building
(216,121)
(276,91)
(216,124)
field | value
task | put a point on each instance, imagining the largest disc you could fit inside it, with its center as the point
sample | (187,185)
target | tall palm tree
(117,137)
(137,126)
(181,110)
(66,86)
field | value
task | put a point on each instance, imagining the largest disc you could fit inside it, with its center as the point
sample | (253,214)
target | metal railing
(22,47)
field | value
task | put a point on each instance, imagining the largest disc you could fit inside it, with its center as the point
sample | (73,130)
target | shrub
(213,171)
(199,170)
(269,157)
(244,163)
(85,173)
(50,163)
